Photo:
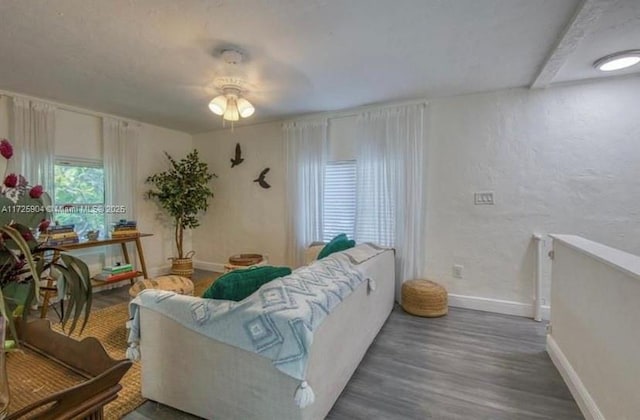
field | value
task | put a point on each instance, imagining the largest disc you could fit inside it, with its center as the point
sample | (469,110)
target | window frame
(86,163)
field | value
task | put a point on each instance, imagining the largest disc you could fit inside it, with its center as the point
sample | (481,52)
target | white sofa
(210,379)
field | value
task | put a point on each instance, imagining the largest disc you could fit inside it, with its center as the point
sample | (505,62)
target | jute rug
(34,377)
(108,325)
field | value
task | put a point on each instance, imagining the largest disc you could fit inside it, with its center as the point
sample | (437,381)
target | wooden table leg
(47,293)
(143,265)
(127,260)
(125,252)
(45,299)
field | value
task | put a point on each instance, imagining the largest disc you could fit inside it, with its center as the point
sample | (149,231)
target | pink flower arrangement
(11,181)
(44,225)
(15,188)
(6,149)
(36,191)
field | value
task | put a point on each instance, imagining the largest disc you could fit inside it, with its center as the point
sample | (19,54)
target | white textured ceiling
(618,29)
(155,60)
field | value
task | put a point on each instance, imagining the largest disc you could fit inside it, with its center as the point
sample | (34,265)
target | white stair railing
(538,277)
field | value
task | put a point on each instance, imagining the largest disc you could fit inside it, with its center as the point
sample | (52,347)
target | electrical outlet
(483,198)
(458,271)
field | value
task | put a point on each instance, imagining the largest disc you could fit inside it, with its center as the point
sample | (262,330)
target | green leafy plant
(184,192)
(24,261)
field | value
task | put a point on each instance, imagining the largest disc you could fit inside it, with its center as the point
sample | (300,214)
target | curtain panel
(306,149)
(391,185)
(32,133)
(120,159)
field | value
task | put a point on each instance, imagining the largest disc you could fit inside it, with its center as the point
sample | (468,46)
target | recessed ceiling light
(618,61)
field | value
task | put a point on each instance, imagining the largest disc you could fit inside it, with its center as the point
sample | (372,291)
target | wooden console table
(50,288)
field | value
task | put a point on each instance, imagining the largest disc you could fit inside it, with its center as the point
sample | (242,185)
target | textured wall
(562,160)
(243,217)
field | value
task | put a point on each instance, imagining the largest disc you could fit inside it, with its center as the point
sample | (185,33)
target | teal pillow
(339,243)
(238,284)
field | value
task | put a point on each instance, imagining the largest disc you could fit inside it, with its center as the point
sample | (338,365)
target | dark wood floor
(467,365)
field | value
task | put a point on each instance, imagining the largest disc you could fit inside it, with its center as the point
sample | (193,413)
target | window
(79,195)
(339,206)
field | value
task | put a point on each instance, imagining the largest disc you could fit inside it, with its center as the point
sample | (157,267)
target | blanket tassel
(133,352)
(304,395)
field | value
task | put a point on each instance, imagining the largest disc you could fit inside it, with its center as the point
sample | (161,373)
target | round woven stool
(177,284)
(424,298)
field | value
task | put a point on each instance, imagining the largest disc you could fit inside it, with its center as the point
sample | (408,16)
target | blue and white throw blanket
(276,322)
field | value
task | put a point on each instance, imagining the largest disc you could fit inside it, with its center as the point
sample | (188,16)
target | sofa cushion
(340,243)
(238,284)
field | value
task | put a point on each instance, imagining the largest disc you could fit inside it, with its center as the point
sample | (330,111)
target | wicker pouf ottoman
(177,284)
(424,298)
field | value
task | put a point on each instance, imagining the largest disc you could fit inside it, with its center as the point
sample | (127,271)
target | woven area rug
(33,377)
(108,325)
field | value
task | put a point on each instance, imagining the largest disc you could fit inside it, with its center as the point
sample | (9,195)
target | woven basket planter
(424,298)
(183,266)
(245,259)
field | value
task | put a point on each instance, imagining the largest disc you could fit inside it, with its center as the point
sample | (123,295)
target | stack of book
(125,229)
(116,272)
(59,235)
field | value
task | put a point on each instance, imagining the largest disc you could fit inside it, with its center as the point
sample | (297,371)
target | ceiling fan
(231,104)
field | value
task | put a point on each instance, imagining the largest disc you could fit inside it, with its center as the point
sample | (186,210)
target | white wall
(563,159)
(79,135)
(558,160)
(594,340)
(243,217)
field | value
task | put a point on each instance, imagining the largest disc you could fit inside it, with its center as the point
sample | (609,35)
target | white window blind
(339,206)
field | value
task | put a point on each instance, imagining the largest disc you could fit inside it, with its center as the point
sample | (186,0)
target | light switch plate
(458,271)
(483,198)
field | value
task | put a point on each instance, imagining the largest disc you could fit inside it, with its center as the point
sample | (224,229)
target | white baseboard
(580,393)
(158,271)
(209,266)
(506,307)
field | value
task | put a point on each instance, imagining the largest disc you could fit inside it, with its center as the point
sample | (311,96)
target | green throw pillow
(238,284)
(337,244)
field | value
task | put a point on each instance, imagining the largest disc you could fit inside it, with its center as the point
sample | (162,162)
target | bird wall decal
(260,179)
(237,160)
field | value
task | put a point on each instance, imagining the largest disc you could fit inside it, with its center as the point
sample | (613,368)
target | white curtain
(120,152)
(391,184)
(33,127)
(305,155)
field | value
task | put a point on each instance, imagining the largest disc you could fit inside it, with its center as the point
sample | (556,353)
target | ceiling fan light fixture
(218,105)
(618,61)
(231,104)
(245,108)
(231,113)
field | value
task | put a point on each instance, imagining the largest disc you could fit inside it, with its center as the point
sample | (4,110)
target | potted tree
(184,192)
